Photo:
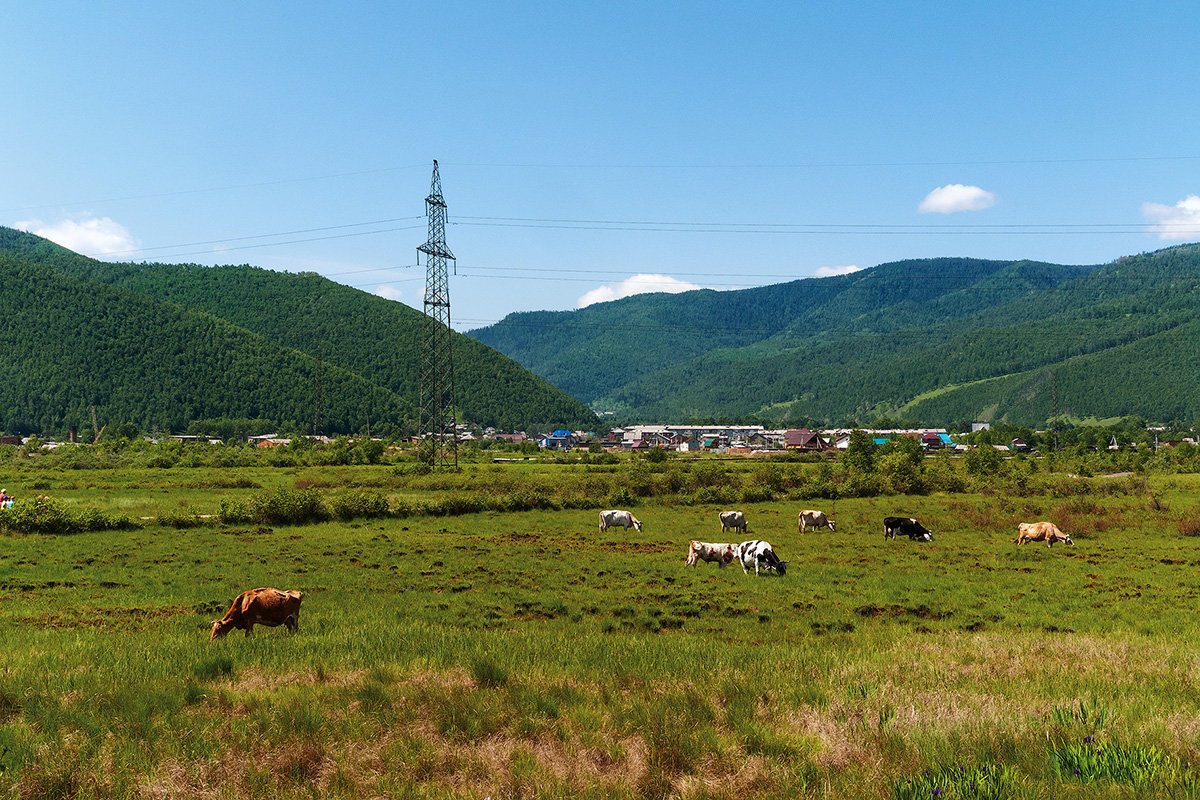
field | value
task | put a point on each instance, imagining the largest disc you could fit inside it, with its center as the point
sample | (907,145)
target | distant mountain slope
(591,351)
(942,340)
(69,345)
(335,327)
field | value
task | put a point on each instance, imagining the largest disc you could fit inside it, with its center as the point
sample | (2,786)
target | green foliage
(860,452)
(943,340)
(358,504)
(977,782)
(231,349)
(44,515)
(1141,766)
(278,507)
(983,460)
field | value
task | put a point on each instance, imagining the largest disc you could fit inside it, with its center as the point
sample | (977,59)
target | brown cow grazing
(722,553)
(1041,531)
(252,607)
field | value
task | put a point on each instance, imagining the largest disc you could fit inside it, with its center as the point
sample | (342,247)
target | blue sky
(586,152)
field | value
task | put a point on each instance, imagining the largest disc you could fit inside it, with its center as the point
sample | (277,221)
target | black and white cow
(757,553)
(905,526)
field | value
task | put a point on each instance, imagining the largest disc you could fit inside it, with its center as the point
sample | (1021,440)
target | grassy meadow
(447,652)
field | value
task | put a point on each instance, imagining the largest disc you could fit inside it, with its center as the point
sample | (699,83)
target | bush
(46,516)
(357,504)
(279,507)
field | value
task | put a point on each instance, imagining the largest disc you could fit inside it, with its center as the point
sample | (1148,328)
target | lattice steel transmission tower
(437,415)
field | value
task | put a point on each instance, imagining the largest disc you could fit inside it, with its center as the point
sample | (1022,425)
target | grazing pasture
(525,654)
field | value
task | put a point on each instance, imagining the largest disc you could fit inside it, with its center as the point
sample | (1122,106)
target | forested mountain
(940,340)
(161,344)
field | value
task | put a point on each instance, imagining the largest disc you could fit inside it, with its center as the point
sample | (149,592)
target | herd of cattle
(273,607)
(760,555)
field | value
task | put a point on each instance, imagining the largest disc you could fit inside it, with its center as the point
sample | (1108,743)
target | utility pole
(437,415)
(1054,396)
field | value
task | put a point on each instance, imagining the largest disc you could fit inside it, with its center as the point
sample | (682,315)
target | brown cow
(1041,531)
(722,553)
(265,606)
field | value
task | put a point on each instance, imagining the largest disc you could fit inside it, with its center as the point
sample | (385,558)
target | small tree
(860,453)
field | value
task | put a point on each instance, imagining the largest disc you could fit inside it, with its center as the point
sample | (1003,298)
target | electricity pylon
(437,415)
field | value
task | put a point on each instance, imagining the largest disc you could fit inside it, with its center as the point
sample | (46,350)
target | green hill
(941,340)
(161,344)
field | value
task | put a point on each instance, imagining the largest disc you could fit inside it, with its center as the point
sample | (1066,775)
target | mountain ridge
(317,331)
(873,342)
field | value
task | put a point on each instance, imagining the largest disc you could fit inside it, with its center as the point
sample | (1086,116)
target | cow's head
(637,525)
(832,524)
(927,536)
(219,629)
(1067,539)
(781,567)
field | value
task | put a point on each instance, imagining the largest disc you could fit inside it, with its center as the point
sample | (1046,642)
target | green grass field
(527,655)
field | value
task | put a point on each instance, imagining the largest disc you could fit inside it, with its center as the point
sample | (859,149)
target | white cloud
(829,272)
(89,236)
(955,197)
(635,284)
(388,292)
(1180,221)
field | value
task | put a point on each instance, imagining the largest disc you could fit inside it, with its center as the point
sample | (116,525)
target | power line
(276,244)
(230,187)
(268,235)
(852,229)
(838,164)
(751,225)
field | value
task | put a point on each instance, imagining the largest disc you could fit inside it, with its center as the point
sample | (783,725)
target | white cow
(814,519)
(611,519)
(720,552)
(734,520)
(758,553)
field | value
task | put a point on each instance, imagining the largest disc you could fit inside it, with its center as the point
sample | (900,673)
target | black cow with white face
(906,526)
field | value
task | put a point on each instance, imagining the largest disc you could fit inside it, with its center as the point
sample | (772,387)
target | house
(933,441)
(804,440)
(1018,445)
(557,440)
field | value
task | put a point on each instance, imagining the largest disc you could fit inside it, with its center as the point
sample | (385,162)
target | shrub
(47,516)
(899,472)
(278,507)
(716,495)
(357,504)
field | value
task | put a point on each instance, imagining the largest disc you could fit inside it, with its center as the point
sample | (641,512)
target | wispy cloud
(955,197)
(829,272)
(88,235)
(636,284)
(1180,221)
(388,292)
